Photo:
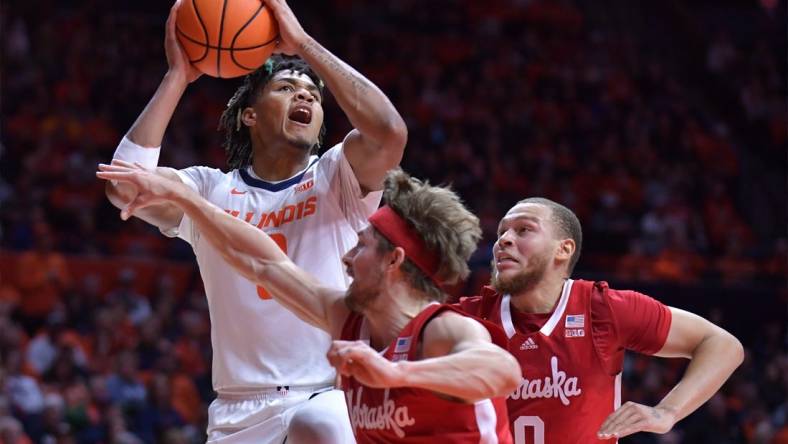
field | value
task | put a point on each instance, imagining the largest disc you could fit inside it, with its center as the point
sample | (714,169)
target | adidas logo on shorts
(529,344)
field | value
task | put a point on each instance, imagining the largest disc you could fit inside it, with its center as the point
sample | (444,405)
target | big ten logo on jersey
(303,186)
(282,216)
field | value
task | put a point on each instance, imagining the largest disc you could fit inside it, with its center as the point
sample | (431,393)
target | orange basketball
(226,38)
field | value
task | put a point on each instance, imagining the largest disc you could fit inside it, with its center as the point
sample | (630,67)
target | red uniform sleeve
(470,305)
(626,320)
(480,306)
(642,323)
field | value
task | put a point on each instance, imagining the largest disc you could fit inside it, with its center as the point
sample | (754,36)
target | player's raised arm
(715,354)
(250,251)
(460,361)
(143,140)
(378,140)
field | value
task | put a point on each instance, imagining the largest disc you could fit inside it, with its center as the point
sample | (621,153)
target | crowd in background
(676,169)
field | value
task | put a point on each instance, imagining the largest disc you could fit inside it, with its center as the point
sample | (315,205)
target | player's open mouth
(301,114)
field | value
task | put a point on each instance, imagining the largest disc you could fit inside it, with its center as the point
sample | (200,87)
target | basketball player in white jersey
(269,368)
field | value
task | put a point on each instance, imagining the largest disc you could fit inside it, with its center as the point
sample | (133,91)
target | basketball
(226,38)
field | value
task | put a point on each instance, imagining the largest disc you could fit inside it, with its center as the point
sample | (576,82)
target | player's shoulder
(448,327)
(602,291)
(479,305)
(594,291)
(333,153)
(607,302)
(454,323)
(328,161)
(589,286)
(205,174)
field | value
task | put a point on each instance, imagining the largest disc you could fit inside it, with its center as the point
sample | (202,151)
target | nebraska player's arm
(715,354)
(247,249)
(163,216)
(460,361)
(378,140)
(147,131)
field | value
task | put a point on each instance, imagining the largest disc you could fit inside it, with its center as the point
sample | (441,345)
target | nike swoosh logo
(235,191)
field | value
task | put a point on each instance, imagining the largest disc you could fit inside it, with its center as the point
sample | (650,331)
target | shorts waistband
(278,391)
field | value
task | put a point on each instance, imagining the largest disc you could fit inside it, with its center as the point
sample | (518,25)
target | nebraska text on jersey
(387,416)
(557,386)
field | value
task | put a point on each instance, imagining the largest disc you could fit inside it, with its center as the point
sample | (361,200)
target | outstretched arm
(378,140)
(247,249)
(715,354)
(147,132)
(460,361)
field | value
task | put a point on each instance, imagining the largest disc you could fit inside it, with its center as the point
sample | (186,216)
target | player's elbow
(725,346)
(395,136)
(736,349)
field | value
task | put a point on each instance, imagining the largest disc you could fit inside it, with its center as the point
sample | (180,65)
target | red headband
(397,230)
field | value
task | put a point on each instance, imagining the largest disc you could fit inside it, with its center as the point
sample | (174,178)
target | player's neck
(395,308)
(542,297)
(275,164)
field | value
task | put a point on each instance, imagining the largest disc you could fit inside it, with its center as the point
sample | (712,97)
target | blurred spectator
(9,296)
(159,417)
(42,277)
(136,306)
(124,386)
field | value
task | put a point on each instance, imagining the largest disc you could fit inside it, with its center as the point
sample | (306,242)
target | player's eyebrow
(515,218)
(314,90)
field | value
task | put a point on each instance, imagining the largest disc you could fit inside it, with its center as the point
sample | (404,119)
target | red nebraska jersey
(414,415)
(572,358)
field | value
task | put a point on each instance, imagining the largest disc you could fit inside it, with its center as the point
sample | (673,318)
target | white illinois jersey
(314,217)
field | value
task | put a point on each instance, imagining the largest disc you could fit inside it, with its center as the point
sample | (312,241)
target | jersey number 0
(524,422)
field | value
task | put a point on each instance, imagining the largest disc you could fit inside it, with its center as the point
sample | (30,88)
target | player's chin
(301,141)
(297,137)
(507,277)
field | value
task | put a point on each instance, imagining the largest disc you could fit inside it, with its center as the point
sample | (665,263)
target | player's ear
(396,258)
(566,248)
(248,116)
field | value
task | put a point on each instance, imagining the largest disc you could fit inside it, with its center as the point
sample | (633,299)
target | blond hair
(440,218)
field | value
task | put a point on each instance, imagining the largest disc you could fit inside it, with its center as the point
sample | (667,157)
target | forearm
(143,140)
(241,244)
(149,128)
(712,363)
(254,255)
(474,374)
(366,106)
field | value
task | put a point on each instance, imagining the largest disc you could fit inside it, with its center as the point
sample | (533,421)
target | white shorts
(264,417)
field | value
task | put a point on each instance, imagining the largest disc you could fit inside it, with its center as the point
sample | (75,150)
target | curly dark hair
(237,141)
